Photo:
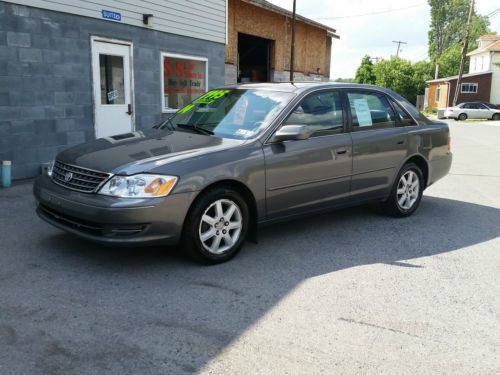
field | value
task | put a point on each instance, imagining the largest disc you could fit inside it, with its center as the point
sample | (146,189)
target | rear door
(304,175)
(379,143)
(472,110)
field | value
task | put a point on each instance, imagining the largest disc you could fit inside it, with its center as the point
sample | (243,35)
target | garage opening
(253,58)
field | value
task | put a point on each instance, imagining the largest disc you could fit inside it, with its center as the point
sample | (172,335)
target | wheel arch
(246,194)
(422,163)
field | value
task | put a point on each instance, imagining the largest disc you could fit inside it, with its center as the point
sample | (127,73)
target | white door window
(112,88)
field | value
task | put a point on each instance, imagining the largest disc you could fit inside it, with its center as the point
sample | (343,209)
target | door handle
(401,142)
(341,151)
(129,111)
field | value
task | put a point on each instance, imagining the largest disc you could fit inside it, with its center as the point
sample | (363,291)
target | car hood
(142,150)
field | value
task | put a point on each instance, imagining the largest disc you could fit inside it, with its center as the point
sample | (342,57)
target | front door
(305,175)
(112,88)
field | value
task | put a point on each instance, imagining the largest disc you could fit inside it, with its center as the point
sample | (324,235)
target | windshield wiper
(196,129)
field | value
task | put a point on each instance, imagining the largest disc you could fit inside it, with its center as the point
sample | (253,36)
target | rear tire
(406,193)
(216,226)
(462,117)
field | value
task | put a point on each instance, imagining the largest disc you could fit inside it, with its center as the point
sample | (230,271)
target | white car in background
(472,110)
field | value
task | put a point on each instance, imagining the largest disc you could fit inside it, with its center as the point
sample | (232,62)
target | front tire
(496,117)
(216,226)
(406,193)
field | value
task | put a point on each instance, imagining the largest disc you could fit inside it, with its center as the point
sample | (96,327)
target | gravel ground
(346,292)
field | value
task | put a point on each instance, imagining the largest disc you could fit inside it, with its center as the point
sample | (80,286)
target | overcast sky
(406,20)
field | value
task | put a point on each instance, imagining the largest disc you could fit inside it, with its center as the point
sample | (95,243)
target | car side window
(320,112)
(404,118)
(370,110)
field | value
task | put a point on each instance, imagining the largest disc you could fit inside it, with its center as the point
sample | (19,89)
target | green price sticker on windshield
(207,98)
(185,109)
(211,96)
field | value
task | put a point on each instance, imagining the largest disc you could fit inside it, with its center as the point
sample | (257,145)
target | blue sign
(109,15)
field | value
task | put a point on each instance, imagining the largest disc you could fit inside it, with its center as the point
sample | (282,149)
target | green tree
(422,71)
(365,74)
(447,33)
(449,61)
(398,75)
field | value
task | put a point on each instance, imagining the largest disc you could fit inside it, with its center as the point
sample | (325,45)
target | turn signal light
(160,187)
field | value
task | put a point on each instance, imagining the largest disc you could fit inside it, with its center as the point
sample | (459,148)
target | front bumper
(119,221)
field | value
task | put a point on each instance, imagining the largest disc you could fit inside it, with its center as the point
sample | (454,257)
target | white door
(112,88)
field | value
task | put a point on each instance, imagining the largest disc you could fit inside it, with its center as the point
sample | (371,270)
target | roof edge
(451,78)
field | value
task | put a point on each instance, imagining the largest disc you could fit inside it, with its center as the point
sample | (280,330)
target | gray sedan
(242,156)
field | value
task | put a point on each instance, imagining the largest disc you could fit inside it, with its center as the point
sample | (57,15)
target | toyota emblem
(68,176)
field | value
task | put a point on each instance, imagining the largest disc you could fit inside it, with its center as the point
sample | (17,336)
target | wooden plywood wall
(312,45)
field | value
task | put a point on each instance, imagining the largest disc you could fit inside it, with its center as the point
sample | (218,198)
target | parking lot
(346,292)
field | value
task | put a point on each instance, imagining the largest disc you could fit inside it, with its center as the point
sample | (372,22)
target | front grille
(78,178)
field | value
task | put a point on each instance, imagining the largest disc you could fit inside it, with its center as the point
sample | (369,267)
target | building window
(468,88)
(184,78)
(438,94)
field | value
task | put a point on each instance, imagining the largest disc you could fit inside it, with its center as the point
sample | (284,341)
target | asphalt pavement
(345,292)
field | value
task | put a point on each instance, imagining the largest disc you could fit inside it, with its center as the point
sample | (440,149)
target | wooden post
(464,53)
(292,52)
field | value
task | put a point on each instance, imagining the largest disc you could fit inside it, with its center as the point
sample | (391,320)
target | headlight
(139,186)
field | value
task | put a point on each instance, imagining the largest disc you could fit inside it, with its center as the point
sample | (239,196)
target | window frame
(162,73)
(370,128)
(345,128)
(471,84)
(399,123)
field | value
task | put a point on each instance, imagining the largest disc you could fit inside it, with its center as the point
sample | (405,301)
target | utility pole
(292,52)
(464,53)
(399,42)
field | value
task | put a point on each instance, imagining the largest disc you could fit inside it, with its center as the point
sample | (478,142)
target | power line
(371,14)
(493,13)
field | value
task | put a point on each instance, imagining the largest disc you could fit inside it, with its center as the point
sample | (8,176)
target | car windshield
(231,113)
(489,105)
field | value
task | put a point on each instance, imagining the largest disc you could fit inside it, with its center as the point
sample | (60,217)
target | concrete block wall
(46,84)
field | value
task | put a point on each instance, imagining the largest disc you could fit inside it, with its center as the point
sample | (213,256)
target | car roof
(304,87)
(299,87)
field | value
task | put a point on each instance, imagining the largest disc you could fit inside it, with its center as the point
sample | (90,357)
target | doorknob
(129,112)
(341,151)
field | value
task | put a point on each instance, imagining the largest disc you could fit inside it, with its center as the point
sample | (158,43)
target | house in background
(482,83)
(259,42)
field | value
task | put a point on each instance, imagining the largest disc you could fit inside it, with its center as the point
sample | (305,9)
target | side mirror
(291,133)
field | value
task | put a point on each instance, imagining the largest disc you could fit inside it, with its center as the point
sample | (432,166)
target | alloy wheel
(408,190)
(220,226)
